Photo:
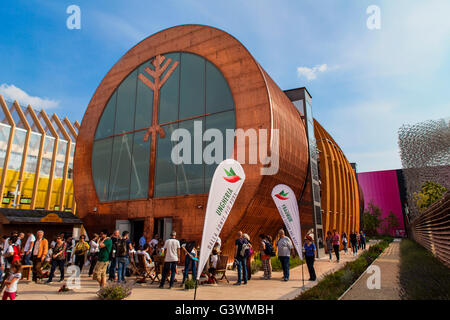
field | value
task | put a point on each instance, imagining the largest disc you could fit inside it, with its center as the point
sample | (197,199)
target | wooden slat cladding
(431,229)
(262,216)
(340,191)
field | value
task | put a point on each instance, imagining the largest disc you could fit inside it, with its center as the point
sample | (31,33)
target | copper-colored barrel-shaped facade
(258,104)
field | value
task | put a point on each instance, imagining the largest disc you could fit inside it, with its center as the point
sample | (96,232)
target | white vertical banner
(287,206)
(225,186)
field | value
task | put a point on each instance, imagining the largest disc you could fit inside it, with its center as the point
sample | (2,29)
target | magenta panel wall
(381,188)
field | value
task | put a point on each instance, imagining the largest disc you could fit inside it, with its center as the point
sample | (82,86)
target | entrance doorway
(163,227)
(137,229)
(123,225)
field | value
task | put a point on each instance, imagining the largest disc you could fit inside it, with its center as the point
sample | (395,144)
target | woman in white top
(93,250)
(147,259)
(213,259)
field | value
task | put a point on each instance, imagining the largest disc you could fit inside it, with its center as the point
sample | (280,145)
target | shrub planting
(256,264)
(189,284)
(115,291)
(333,285)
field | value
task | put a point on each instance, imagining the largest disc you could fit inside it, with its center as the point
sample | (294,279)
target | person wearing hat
(310,253)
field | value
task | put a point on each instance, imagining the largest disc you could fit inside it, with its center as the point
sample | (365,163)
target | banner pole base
(303,276)
(195,290)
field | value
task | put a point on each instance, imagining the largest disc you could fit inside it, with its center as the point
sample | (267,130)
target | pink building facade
(382,189)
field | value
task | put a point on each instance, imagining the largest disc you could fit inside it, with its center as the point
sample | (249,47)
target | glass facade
(302,102)
(33,152)
(314,159)
(194,95)
(18,145)
(17,149)
(166,170)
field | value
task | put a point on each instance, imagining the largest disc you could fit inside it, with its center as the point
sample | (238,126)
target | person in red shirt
(16,248)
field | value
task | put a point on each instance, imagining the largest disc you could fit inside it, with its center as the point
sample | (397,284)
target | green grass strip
(422,276)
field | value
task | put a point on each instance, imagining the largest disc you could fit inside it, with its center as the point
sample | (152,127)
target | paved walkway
(256,289)
(388,262)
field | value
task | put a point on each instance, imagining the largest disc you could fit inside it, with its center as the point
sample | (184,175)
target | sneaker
(48,282)
(245,282)
(237,284)
(161,287)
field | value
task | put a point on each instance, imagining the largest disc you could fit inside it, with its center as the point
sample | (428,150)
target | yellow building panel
(27,191)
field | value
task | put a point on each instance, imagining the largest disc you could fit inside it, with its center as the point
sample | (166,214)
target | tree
(391,221)
(429,194)
(371,219)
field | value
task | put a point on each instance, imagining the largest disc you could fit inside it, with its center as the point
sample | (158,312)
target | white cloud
(311,73)
(11,92)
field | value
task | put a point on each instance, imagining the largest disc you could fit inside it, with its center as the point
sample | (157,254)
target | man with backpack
(123,247)
(112,255)
(240,259)
(267,253)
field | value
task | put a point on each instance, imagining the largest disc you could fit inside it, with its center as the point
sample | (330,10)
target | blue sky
(365,83)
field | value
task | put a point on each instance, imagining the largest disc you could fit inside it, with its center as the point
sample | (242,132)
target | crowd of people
(107,254)
(110,254)
(357,240)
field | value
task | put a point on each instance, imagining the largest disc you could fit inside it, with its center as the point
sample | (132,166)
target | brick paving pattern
(388,262)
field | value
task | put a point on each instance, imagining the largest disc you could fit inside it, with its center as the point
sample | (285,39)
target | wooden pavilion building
(183,77)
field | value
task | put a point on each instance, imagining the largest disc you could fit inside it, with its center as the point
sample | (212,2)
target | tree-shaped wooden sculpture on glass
(156,85)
